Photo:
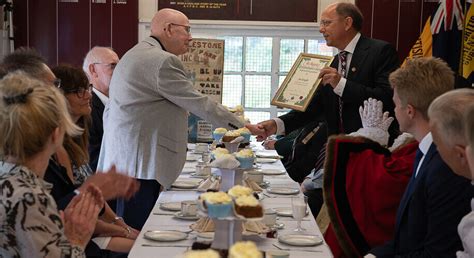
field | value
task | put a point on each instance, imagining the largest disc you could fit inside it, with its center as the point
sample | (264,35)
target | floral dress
(30,225)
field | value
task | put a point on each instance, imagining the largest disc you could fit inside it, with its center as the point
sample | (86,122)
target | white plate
(267,155)
(283,190)
(286,211)
(199,176)
(265,160)
(171,206)
(179,215)
(191,157)
(187,170)
(272,172)
(165,236)
(300,240)
(186,184)
(206,235)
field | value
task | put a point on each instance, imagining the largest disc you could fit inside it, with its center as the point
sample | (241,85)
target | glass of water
(298,205)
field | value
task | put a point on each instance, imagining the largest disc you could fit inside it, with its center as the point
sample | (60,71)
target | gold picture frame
(301,83)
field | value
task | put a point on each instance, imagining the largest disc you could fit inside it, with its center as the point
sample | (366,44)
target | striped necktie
(343,63)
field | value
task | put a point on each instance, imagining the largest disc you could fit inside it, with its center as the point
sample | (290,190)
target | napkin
(252,185)
(207,225)
(210,183)
(227,161)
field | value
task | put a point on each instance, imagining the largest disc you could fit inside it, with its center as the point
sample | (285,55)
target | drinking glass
(298,205)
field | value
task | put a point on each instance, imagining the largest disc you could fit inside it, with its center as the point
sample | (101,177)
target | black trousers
(136,210)
(315,200)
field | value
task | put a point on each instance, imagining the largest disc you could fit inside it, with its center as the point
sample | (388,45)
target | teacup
(189,208)
(203,170)
(269,217)
(255,176)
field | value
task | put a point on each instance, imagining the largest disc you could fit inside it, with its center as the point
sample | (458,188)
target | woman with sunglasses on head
(73,159)
(33,121)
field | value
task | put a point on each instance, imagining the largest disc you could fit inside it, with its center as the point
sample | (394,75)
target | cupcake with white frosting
(219,133)
(208,253)
(246,157)
(245,249)
(244,132)
(239,190)
(219,205)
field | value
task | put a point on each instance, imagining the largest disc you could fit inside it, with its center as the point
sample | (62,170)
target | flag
(424,44)
(467,57)
(443,34)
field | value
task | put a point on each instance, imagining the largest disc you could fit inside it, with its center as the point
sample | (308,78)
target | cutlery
(149,245)
(299,250)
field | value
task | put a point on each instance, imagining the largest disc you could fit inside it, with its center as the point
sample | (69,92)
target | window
(257,59)
(249,65)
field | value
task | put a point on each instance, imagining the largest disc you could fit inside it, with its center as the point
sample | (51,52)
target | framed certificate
(301,83)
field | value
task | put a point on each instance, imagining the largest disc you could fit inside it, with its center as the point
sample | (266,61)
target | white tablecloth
(168,222)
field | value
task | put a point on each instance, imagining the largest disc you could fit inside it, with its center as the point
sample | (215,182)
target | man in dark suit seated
(452,124)
(435,199)
(99,64)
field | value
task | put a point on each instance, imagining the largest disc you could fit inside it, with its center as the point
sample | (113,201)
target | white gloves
(371,115)
(375,123)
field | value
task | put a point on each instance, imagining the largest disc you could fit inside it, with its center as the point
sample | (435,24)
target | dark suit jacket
(96,131)
(371,63)
(428,218)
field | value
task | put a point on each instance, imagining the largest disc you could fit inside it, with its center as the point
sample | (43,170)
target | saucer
(180,215)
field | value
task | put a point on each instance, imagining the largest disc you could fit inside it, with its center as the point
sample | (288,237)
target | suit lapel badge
(353,69)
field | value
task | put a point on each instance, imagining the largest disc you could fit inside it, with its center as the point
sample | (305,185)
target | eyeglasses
(325,23)
(110,65)
(57,83)
(80,92)
(186,27)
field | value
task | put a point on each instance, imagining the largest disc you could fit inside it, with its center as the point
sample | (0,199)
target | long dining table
(165,220)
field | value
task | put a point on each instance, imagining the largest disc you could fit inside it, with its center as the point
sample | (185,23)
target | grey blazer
(145,122)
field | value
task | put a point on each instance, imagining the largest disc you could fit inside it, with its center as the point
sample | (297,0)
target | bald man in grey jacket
(145,122)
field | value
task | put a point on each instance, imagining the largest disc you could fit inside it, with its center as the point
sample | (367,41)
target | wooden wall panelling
(101,23)
(428,7)
(73,31)
(365,7)
(252,10)
(124,25)
(20,22)
(385,20)
(410,26)
(42,28)
(279,10)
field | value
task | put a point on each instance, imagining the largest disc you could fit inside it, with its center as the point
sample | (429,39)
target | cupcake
(248,206)
(239,190)
(219,205)
(244,249)
(208,253)
(219,133)
(230,136)
(245,133)
(246,158)
(218,152)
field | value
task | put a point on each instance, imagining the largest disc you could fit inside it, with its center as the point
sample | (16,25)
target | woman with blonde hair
(33,121)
